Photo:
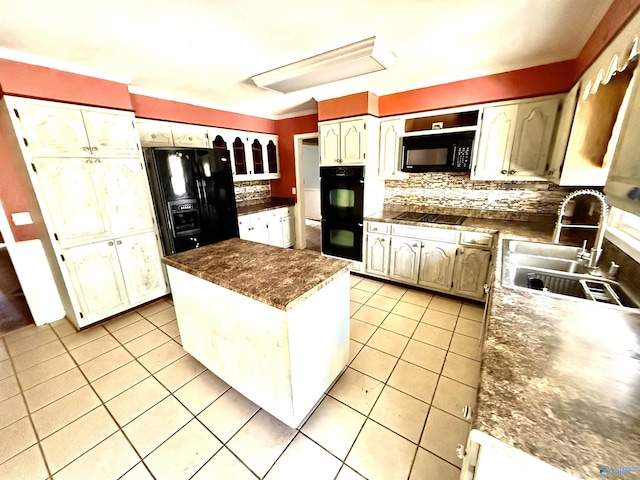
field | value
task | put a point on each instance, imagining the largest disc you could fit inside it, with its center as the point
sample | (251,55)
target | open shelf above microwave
(444,121)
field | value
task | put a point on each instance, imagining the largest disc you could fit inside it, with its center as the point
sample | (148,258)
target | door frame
(300,212)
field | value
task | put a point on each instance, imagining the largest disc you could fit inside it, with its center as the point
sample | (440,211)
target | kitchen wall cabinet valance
(92,206)
(347,142)
(49,129)
(514,141)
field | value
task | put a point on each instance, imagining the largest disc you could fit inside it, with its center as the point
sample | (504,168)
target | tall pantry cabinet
(90,184)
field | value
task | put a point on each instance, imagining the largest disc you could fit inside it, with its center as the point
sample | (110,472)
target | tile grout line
(24,399)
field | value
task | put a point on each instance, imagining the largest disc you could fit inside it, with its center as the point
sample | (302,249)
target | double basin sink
(555,270)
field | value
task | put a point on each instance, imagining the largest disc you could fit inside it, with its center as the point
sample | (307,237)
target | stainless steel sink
(551,269)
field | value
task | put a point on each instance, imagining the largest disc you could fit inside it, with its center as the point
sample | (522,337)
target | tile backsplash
(456,190)
(252,192)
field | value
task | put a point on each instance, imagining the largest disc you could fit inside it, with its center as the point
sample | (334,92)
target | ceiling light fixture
(359,58)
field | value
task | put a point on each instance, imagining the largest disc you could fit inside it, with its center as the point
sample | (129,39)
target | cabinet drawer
(378,227)
(426,233)
(474,239)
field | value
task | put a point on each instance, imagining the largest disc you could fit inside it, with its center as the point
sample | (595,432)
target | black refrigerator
(193,196)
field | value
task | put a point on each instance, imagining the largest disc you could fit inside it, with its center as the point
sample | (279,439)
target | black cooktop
(431,218)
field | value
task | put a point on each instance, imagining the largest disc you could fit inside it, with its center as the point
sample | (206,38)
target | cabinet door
(390,141)
(111,133)
(190,136)
(405,259)
(436,265)
(239,156)
(470,273)
(496,143)
(273,160)
(274,224)
(353,141)
(52,130)
(73,202)
(288,230)
(534,129)
(562,136)
(258,155)
(126,195)
(330,144)
(97,280)
(244,227)
(139,257)
(154,134)
(377,261)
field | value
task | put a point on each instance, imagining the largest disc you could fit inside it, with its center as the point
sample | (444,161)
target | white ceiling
(204,51)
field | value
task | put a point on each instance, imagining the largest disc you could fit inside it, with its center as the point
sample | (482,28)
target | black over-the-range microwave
(437,152)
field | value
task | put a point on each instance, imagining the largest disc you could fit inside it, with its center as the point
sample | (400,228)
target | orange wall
(349,106)
(159,109)
(286,129)
(619,13)
(33,81)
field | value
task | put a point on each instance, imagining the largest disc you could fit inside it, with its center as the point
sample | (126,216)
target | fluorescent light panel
(360,58)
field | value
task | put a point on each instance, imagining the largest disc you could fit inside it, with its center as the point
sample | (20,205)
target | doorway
(307,161)
(14,310)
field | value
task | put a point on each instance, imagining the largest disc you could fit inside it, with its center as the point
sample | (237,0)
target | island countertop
(279,277)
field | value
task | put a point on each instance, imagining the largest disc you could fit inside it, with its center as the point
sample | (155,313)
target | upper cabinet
(390,147)
(58,130)
(515,140)
(344,143)
(164,134)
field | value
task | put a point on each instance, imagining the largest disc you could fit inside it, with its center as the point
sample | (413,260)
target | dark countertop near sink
(279,277)
(272,203)
(559,378)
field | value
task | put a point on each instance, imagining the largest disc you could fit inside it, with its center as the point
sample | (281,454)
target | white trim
(31,59)
(301,236)
(624,242)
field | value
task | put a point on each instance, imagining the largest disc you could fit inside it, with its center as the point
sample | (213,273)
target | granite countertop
(279,277)
(271,204)
(559,378)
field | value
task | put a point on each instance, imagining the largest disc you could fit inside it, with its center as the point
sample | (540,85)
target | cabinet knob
(382,240)
(89,161)
(153,135)
(86,149)
(512,172)
(94,149)
(110,244)
(416,245)
(119,242)
(503,172)
(486,288)
(190,138)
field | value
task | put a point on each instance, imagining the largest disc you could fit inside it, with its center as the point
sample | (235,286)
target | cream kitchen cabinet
(109,197)
(436,265)
(274,227)
(377,254)
(344,142)
(470,272)
(404,260)
(444,260)
(155,133)
(113,275)
(391,132)
(52,129)
(254,156)
(515,140)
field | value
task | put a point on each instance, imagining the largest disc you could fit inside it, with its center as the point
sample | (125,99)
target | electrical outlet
(293,190)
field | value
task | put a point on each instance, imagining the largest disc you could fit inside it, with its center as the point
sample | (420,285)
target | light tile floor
(124,400)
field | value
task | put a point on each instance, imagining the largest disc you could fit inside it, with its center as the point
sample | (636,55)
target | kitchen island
(271,322)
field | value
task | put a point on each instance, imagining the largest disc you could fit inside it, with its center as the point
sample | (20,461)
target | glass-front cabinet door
(239,158)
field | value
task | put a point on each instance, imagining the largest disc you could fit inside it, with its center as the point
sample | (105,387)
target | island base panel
(283,361)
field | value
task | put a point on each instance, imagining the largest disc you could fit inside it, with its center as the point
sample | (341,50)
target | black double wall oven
(342,208)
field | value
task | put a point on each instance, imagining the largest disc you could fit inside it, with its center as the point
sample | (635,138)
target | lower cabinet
(436,265)
(405,259)
(273,227)
(113,275)
(448,266)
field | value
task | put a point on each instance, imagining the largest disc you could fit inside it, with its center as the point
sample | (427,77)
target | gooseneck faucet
(596,251)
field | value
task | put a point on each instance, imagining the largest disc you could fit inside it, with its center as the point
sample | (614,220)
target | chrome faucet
(596,251)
